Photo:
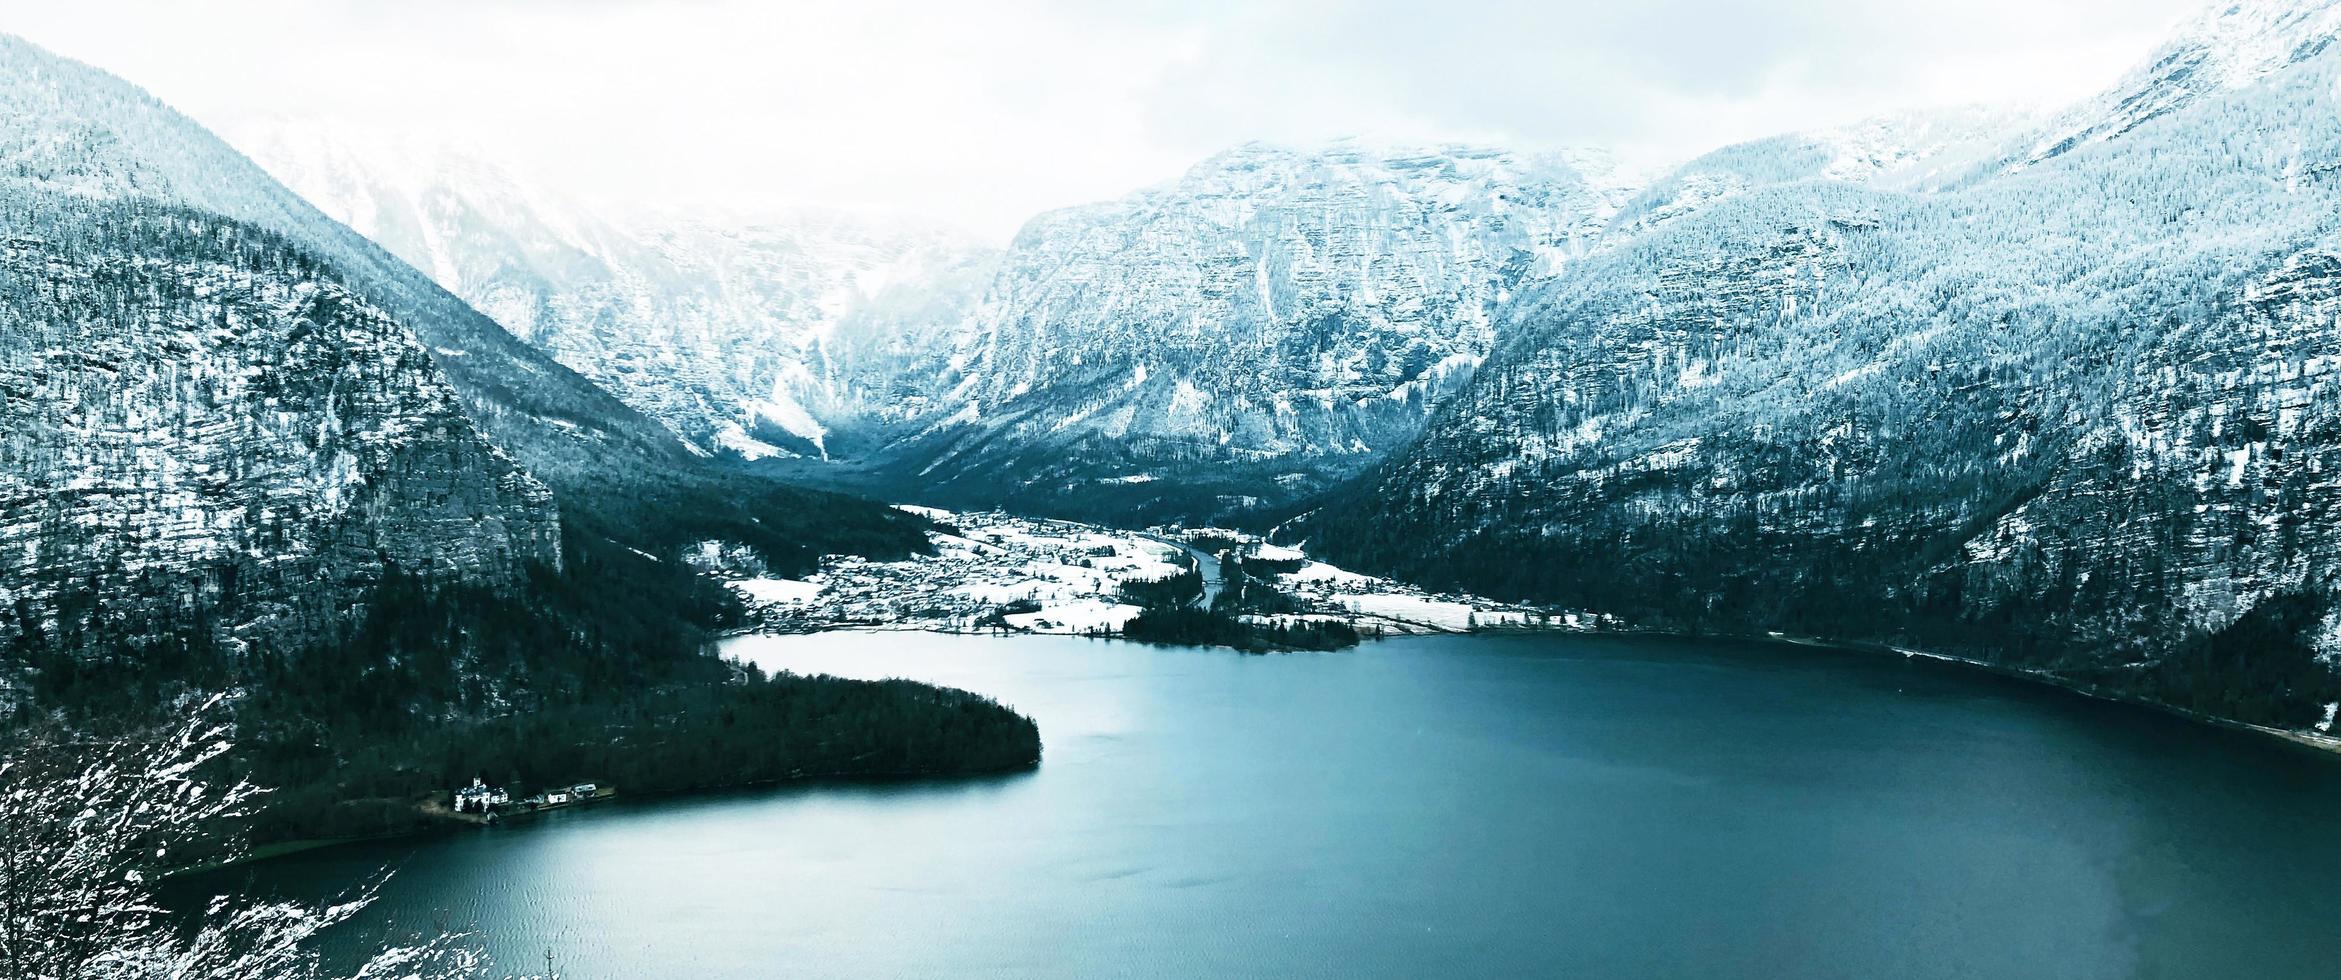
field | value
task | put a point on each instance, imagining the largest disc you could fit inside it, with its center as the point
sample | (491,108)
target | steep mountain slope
(67,126)
(227,410)
(206,432)
(1270,322)
(2075,417)
(244,450)
(718,331)
(71,127)
(211,431)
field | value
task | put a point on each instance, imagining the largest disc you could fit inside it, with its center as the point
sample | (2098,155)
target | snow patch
(1318,571)
(782,409)
(737,439)
(1078,616)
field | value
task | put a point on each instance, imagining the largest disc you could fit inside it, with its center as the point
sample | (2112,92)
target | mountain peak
(2232,45)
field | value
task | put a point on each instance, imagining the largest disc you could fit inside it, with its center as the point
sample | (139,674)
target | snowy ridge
(1906,150)
(2234,44)
(1275,318)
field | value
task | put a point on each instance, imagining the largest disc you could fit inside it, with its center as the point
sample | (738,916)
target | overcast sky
(982,112)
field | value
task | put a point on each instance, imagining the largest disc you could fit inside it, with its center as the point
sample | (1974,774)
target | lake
(1455,805)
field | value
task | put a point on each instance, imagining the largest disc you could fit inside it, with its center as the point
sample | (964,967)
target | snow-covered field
(1395,607)
(1078,616)
(1317,571)
(777,590)
(1410,609)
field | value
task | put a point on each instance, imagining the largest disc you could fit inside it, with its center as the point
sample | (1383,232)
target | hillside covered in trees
(2070,408)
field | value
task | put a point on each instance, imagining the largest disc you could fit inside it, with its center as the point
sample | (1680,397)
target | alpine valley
(424,470)
(2048,392)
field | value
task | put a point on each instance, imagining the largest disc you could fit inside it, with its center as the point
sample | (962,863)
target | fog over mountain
(717,328)
(979,117)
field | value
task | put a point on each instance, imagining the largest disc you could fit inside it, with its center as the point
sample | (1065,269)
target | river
(1206,567)
(1446,805)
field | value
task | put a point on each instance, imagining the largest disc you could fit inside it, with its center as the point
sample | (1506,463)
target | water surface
(1460,806)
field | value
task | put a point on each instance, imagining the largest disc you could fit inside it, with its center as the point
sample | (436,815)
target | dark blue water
(1458,806)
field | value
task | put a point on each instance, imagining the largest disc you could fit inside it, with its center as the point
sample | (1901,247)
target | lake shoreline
(2322,743)
(441,826)
(1287,806)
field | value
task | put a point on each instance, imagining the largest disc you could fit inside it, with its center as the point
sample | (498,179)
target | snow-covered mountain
(1267,324)
(1237,339)
(718,329)
(2076,416)
(1277,320)
(75,128)
(1250,333)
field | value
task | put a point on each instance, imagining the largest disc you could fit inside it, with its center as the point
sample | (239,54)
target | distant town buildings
(997,571)
(492,801)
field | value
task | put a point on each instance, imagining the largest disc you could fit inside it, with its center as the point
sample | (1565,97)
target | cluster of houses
(481,798)
(994,562)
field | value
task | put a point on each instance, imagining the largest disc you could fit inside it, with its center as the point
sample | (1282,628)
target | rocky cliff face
(223,420)
(2073,416)
(206,435)
(1269,323)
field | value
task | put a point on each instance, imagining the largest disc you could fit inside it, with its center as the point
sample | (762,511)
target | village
(996,572)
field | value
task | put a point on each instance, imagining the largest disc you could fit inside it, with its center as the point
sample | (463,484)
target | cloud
(1676,75)
(983,114)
